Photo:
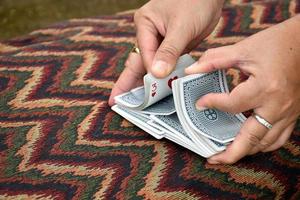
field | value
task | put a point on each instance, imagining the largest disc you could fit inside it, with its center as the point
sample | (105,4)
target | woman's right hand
(165,30)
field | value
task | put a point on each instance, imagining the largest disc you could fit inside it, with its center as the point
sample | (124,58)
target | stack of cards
(165,108)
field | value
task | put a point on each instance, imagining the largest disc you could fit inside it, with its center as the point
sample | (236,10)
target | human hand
(165,30)
(271,58)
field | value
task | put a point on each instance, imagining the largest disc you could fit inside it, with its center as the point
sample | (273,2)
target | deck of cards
(165,108)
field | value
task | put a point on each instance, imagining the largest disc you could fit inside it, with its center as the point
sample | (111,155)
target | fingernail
(161,68)
(200,108)
(212,161)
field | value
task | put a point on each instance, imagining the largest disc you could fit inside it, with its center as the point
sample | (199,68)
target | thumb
(168,52)
(214,59)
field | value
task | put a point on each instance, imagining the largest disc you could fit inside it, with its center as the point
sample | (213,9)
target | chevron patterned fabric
(59,139)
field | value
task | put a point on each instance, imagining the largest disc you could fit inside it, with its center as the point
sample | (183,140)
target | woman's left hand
(271,58)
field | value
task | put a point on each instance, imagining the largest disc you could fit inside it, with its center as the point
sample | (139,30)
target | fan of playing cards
(165,108)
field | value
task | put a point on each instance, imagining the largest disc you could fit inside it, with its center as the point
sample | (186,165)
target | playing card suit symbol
(153,94)
(170,81)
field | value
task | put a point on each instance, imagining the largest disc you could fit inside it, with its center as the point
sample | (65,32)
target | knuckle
(254,151)
(127,63)
(280,143)
(135,72)
(212,66)
(230,160)
(289,103)
(208,100)
(264,144)
(169,50)
(139,14)
(241,52)
(234,109)
(233,104)
(252,138)
(136,16)
(236,54)
(286,107)
(208,53)
(272,148)
(273,87)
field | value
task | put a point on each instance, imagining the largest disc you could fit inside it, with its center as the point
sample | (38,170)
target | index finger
(131,77)
(148,41)
(236,101)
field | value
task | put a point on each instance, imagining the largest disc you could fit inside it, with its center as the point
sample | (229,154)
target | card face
(157,89)
(214,124)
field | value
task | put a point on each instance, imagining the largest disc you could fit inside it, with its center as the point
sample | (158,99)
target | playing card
(193,148)
(163,107)
(166,108)
(132,99)
(175,137)
(157,89)
(219,126)
(207,144)
(138,120)
(172,123)
(178,134)
(154,89)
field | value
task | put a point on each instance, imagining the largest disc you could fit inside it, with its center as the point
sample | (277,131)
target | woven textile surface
(59,139)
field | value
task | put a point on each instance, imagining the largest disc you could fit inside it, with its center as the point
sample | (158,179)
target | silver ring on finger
(263,121)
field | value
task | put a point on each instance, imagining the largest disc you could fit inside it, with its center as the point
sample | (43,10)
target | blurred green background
(18,17)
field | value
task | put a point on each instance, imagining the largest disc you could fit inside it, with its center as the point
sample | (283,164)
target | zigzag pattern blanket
(59,139)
